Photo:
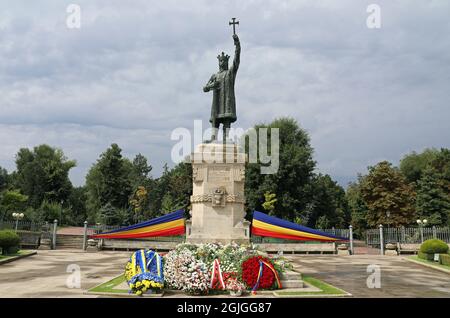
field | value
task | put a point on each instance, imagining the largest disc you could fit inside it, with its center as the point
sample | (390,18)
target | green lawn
(326,289)
(108,287)
(434,264)
(22,252)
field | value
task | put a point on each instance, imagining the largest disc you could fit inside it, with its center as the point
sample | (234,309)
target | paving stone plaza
(45,274)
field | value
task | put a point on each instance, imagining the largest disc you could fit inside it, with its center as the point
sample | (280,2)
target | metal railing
(24,226)
(407,235)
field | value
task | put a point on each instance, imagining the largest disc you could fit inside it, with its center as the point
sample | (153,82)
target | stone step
(291,275)
(292,283)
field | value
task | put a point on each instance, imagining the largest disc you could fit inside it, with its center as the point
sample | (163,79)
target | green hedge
(426,256)
(9,241)
(434,246)
(444,259)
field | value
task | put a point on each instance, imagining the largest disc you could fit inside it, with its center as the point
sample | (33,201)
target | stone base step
(291,275)
(292,283)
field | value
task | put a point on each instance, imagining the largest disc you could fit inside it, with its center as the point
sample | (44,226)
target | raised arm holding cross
(233,23)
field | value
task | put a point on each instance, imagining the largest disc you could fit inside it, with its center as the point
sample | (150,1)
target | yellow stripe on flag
(152,228)
(283,230)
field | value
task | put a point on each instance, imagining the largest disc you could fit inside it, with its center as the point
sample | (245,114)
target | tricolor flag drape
(166,225)
(269,226)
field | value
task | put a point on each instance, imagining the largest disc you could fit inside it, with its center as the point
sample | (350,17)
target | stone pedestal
(291,279)
(45,244)
(217,213)
(391,249)
(92,245)
(342,249)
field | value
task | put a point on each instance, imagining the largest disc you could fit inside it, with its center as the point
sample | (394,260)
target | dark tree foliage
(43,174)
(291,182)
(388,196)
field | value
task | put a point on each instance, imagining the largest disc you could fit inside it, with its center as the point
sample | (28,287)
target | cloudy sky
(134,71)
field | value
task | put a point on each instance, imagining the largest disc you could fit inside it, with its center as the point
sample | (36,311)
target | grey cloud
(132,73)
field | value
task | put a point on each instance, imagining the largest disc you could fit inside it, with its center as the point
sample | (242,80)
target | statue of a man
(223,109)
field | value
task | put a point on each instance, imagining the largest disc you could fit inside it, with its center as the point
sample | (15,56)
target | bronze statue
(223,109)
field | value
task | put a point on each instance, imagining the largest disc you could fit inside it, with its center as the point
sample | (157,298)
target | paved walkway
(399,278)
(45,274)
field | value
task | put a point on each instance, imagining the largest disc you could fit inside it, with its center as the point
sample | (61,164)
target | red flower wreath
(250,271)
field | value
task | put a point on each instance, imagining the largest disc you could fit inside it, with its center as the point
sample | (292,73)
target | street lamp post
(17,217)
(388,215)
(421,224)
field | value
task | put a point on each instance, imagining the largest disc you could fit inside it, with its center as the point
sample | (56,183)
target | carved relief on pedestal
(238,174)
(199,198)
(218,197)
(235,198)
(218,174)
(198,174)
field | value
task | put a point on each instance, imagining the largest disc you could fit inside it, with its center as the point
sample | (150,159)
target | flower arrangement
(185,272)
(235,286)
(250,272)
(144,272)
(190,268)
(142,286)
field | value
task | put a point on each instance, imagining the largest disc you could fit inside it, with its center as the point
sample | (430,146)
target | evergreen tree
(433,190)
(108,182)
(110,215)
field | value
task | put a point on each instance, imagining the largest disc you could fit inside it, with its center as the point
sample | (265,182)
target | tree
(49,211)
(12,201)
(357,207)
(168,205)
(269,202)
(108,182)
(43,174)
(110,215)
(140,172)
(138,201)
(385,191)
(77,210)
(432,202)
(413,165)
(433,190)
(172,190)
(329,208)
(4,179)
(290,183)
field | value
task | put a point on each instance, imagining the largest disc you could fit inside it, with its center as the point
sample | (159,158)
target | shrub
(8,240)
(426,256)
(444,259)
(434,246)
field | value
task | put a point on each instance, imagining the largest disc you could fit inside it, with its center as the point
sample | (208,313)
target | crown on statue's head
(223,57)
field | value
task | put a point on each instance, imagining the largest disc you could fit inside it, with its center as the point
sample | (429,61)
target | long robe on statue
(223,106)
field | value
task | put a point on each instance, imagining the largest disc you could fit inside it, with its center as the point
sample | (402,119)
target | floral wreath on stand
(259,273)
(144,272)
